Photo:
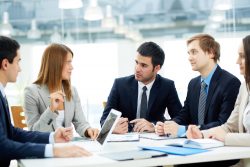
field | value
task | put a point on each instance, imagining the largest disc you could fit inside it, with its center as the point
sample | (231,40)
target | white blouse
(246,117)
(60,118)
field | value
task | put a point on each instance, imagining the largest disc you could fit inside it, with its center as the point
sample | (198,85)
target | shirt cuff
(181,131)
(48,153)
(51,138)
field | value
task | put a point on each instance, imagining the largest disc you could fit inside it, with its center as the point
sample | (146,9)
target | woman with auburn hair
(51,102)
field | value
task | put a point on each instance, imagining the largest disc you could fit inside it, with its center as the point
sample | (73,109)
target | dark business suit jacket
(222,93)
(124,94)
(16,143)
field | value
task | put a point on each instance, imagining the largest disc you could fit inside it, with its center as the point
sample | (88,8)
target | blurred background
(104,36)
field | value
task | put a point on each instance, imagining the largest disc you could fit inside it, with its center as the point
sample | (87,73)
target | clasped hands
(139,125)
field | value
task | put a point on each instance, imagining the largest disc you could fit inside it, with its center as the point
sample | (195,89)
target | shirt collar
(149,85)
(2,89)
(207,80)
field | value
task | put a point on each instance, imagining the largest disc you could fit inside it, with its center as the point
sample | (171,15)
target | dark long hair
(246,45)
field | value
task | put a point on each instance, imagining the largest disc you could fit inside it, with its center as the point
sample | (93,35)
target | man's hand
(141,125)
(171,127)
(63,135)
(121,126)
(194,132)
(92,133)
(159,128)
(69,151)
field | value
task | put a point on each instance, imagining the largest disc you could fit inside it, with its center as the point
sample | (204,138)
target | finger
(138,126)
(95,132)
(160,124)
(134,121)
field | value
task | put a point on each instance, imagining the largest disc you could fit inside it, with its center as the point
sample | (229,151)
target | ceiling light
(93,11)
(55,37)
(69,38)
(109,21)
(222,4)
(34,33)
(121,28)
(6,28)
(217,17)
(70,4)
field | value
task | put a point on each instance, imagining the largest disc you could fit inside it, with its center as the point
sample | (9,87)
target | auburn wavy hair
(50,73)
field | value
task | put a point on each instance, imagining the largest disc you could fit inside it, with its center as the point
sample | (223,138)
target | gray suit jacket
(236,133)
(39,117)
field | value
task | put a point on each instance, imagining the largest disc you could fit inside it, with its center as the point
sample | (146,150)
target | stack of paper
(124,137)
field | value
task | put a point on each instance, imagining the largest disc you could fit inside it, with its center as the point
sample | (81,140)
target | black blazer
(16,143)
(222,93)
(123,97)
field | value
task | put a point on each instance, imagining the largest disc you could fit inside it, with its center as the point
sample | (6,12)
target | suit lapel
(212,87)
(154,92)
(196,93)
(44,94)
(134,97)
(6,114)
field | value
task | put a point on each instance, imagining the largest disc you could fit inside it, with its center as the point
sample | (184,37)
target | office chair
(18,116)
(104,103)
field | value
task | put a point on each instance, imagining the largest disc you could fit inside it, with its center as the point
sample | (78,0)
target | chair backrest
(104,103)
(18,116)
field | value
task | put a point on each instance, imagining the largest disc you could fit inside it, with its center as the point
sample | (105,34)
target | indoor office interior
(104,36)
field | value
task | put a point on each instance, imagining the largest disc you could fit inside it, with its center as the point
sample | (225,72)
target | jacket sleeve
(20,146)
(173,103)
(36,120)
(79,119)
(183,116)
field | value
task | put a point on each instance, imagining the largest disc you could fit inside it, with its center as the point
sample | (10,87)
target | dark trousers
(211,164)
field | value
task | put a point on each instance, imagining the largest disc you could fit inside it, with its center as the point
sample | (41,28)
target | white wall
(97,65)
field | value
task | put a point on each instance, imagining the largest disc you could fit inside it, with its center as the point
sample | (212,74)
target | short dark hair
(151,49)
(207,44)
(246,45)
(8,49)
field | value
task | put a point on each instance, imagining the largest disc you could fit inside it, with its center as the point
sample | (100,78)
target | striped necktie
(202,103)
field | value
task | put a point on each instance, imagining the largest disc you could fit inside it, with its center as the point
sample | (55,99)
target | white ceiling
(152,18)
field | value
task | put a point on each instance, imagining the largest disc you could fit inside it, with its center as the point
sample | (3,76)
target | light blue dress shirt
(182,129)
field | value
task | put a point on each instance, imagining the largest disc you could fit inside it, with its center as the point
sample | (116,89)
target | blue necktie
(144,103)
(202,103)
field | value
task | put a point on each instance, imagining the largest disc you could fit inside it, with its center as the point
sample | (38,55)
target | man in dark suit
(210,97)
(220,92)
(141,109)
(16,143)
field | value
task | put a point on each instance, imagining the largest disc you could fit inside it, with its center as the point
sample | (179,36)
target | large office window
(95,67)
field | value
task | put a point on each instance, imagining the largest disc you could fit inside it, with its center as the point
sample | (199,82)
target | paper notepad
(198,143)
(124,137)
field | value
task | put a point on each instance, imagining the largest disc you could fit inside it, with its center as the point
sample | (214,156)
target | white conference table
(216,154)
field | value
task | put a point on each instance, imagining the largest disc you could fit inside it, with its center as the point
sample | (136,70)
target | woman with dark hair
(53,82)
(236,131)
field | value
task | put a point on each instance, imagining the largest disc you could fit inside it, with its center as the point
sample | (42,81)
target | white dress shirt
(140,91)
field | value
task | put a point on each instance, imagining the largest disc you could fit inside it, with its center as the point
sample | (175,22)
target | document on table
(198,143)
(124,137)
(154,136)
